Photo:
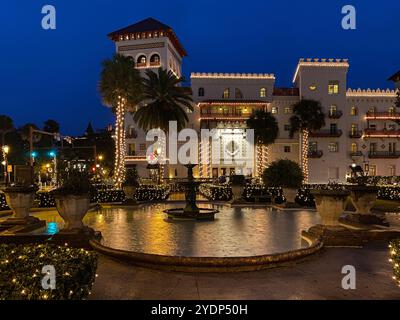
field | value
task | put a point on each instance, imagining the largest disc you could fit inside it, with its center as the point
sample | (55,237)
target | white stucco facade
(360,124)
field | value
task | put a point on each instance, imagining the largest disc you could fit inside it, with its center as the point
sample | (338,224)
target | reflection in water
(235,231)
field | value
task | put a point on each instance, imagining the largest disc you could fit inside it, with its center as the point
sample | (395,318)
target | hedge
(21,272)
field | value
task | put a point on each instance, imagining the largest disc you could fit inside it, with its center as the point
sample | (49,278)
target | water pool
(235,231)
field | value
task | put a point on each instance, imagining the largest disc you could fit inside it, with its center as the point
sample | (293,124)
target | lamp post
(6,150)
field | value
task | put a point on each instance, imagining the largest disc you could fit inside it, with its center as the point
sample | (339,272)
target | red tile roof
(149,25)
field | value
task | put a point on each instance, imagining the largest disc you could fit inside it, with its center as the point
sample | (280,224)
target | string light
(394,251)
(304,154)
(120,147)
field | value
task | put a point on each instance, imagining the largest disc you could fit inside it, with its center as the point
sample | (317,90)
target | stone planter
(129,193)
(363,198)
(330,205)
(72,209)
(20,200)
(290,194)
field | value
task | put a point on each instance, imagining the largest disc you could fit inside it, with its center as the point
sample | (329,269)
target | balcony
(371,133)
(326,134)
(155,64)
(355,134)
(382,116)
(335,114)
(224,116)
(384,154)
(356,154)
(141,65)
(315,154)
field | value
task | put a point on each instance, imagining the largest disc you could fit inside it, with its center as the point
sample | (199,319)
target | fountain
(191,210)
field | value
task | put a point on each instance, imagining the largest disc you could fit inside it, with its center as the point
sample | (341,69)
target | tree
(51,126)
(165,100)
(25,130)
(283,173)
(120,88)
(266,131)
(6,126)
(307,116)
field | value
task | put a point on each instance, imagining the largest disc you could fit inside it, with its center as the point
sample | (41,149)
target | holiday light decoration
(22,265)
(120,146)
(304,154)
(394,252)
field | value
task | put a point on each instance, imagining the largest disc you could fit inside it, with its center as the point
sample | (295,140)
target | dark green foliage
(166,101)
(21,266)
(265,127)
(131,177)
(307,115)
(283,173)
(74,182)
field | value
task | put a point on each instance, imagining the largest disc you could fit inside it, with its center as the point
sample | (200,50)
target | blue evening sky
(54,74)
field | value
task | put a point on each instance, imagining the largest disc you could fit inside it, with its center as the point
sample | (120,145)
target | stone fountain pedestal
(191,210)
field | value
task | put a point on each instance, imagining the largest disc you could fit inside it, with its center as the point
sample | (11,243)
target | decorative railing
(382,116)
(355,134)
(370,133)
(326,133)
(335,114)
(384,154)
(155,63)
(315,154)
(356,154)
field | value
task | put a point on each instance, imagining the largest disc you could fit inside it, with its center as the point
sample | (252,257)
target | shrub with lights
(3,202)
(152,193)
(21,267)
(394,250)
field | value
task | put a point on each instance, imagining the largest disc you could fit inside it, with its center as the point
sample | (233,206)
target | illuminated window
(141,61)
(371,109)
(372,170)
(155,59)
(238,94)
(333,87)
(263,93)
(391,110)
(288,110)
(313,87)
(131,149)
(201,92)
(354,147)
(333,110)
(392,170)
(333,147)
(225,95)
(354,111)
(188,110)
(274,110)
(354,128)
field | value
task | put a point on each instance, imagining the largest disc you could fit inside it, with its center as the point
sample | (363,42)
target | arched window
(238,94)
(155,60)
(354,111)
(225,95)
(263,93)
(141,61)
(201,92)
(354,147)
(391,110)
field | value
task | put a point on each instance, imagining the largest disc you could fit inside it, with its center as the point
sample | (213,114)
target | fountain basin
(201,214)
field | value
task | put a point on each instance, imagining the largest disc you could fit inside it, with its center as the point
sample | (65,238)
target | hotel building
(360,125)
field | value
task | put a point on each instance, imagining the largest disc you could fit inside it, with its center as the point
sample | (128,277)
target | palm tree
(165,101)
(6,126)
(266,131)
(120,88)
(307,116)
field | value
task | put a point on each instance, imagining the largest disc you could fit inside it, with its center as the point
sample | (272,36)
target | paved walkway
(317,278)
